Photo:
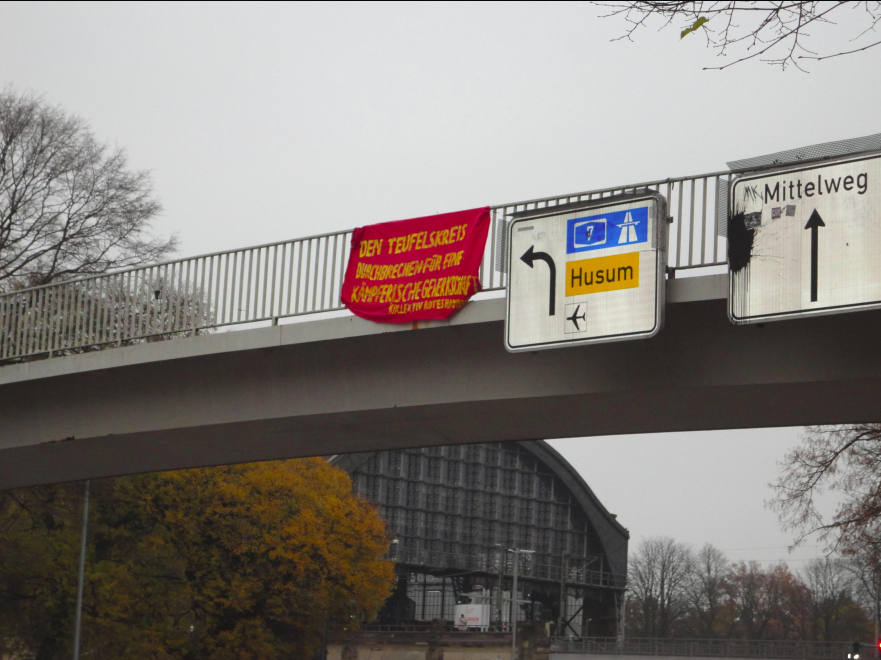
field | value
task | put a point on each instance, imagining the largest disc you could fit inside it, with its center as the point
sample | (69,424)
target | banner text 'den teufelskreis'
(417,269)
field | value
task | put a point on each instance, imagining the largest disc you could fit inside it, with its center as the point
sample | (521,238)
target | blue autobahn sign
(608,230)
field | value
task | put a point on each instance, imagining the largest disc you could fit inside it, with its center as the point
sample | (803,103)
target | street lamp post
(497,554)
(515,600)
(82,574)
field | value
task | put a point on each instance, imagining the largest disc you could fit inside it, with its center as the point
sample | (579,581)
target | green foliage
(694,27)
(38,549)
(240,562)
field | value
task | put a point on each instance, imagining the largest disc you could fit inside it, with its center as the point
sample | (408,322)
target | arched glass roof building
(455,511)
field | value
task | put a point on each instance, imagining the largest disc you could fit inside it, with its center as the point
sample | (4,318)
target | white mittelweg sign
(805,241)
(586,273)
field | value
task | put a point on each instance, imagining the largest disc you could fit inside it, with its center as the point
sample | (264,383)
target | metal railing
(291,278)
(395,628)
(706,648)
(449,629)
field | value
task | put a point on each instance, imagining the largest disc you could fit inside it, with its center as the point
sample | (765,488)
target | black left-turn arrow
(528,257)
(814,223)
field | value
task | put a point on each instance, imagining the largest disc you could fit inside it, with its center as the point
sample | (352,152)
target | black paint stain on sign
(741,236)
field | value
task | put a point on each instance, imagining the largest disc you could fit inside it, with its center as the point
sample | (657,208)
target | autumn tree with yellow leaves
(240,562)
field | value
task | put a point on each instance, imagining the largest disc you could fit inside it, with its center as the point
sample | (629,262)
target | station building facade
(455,512)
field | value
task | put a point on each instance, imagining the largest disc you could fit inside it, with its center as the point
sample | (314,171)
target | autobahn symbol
(628,230)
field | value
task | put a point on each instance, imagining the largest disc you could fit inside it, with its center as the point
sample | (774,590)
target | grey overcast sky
(263,122)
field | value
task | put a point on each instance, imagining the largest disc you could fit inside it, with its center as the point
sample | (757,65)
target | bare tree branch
(69,206)
(848,52)
(658,575)
(847,460)
(760,29)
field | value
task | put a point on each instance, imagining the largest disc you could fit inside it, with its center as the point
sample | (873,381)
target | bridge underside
(345,385)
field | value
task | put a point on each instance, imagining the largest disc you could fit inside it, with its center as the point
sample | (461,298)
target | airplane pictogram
(574,318)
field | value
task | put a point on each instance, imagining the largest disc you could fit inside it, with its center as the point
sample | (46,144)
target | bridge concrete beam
(345,385)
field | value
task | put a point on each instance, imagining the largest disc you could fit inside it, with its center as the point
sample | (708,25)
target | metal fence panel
(705,648)
(290,278)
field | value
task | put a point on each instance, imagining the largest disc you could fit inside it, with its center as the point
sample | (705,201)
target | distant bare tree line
(675,591)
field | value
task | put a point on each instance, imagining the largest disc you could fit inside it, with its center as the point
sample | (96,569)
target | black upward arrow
(530,256)
(814,223)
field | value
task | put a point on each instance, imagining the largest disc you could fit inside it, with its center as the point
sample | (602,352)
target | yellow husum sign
(620,271)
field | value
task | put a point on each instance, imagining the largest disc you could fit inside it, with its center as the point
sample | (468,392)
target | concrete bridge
(338,385)
(343,385)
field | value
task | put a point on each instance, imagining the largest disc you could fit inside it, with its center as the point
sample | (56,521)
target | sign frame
(745,178)
(656,240)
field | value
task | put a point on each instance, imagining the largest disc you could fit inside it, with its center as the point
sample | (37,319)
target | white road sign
(805,241)
(586,274)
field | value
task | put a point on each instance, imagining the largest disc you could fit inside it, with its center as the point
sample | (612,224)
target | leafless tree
(705,589)
(769,603)
(866,577)
(832,586)
(69,205)
(675,592)
(657,577)
(776,32)
(847,460)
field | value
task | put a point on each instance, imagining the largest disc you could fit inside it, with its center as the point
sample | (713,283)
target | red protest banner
(418,269)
